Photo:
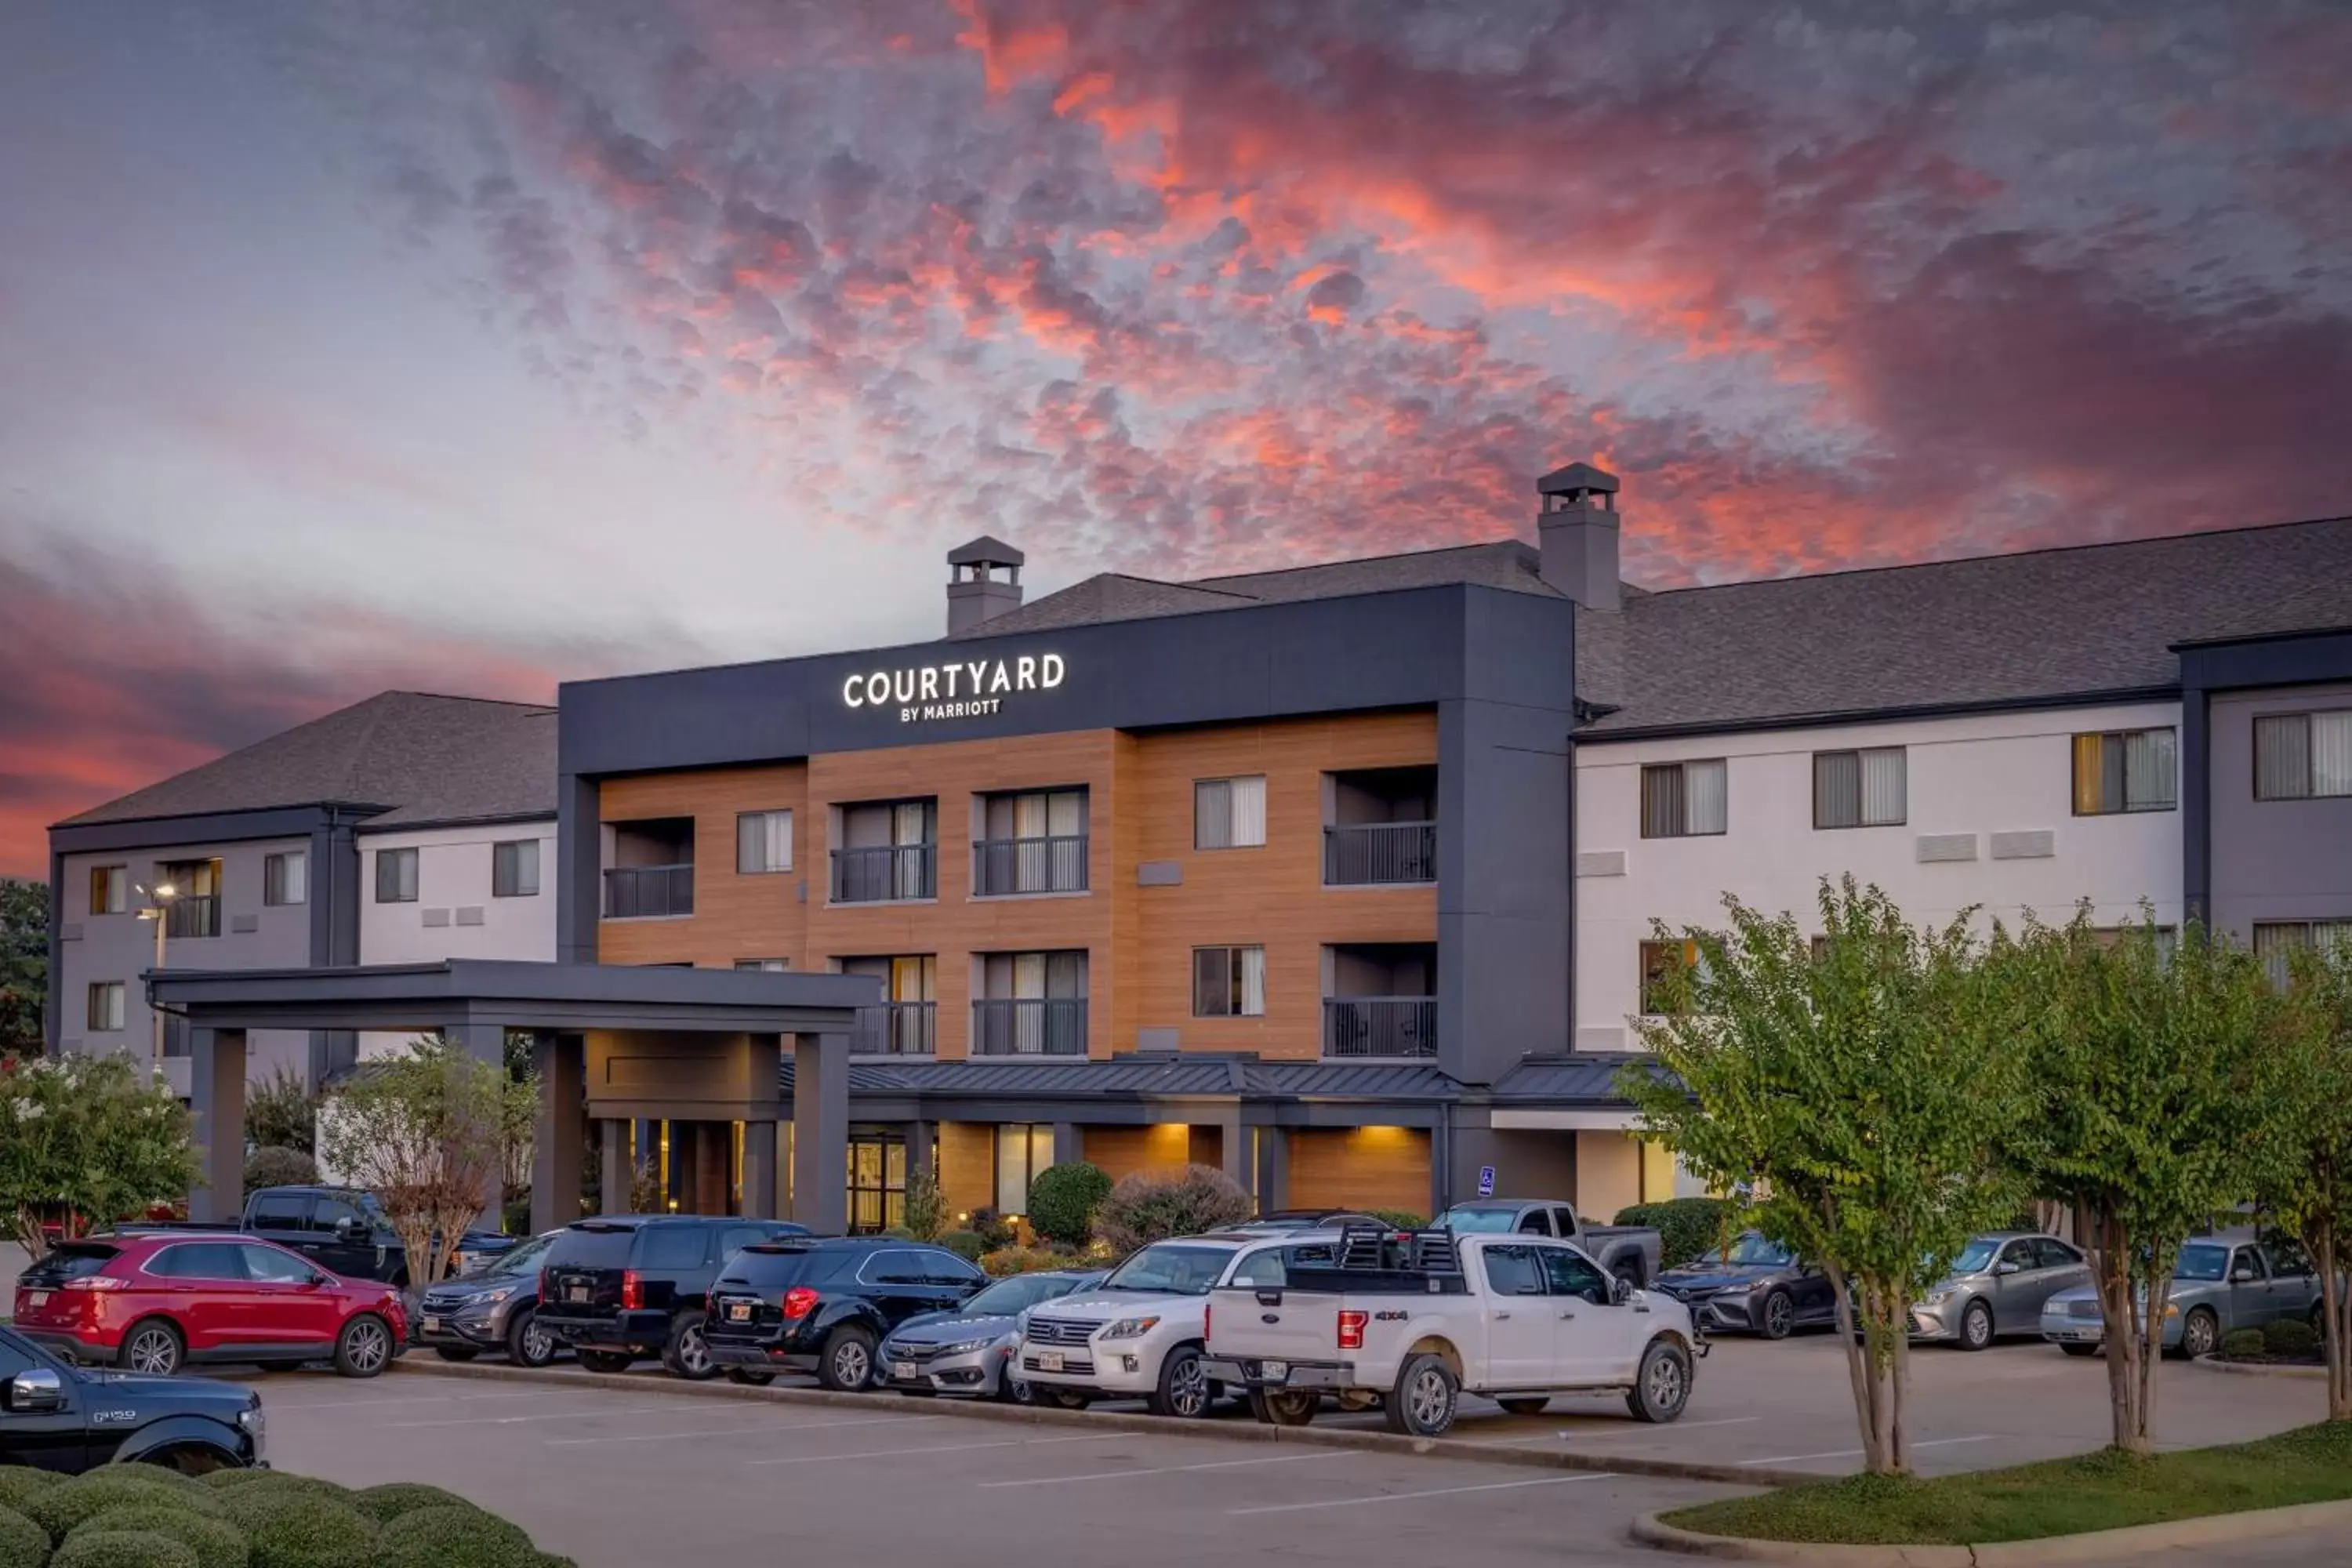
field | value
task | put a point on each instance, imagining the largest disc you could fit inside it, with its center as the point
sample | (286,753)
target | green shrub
(2240,1342)
(1063,1200)
(968,1244)
(265,1489)
(1008,1260)
(1685,1227)
(225,1479)
(442,1537)
(61,1507)
(123,1549)
(216,1542)
(550,1560)
(2290,1336)
(995,1229)
(294,1528)
(18,1482)
(1403,1219)
(389,1501)
(1152,1205)
(279,1168)
(927,1210)
(23,1544)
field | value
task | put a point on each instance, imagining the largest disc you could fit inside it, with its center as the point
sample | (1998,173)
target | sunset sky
(468,346)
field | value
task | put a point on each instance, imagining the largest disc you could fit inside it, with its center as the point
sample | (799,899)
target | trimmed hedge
(2242,1342)
(69,1503)
(393,1499)
(1403,1219)
(1685,1227)
(23,1544)
(297,1530)
(215,1542)
(968,1244)
(19,1482)
(123,1549)
(438,1537)
(2290,1336)
(1063,1200)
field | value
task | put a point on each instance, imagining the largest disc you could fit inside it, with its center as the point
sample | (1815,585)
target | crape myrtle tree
(1860,1087)
(2302,1159)
(2144,1057)
(86,1139)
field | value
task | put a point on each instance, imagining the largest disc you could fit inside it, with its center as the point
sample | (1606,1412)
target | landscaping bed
(2286,1343)
(2107,1491)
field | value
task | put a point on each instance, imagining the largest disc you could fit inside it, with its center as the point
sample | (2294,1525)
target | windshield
(1177,1267)
(1751,1251)
(523,1260)
(1481,1219)
(2202,1263)
(1010,1297)
(1975,1256)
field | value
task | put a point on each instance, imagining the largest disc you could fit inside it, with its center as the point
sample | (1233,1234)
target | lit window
(109,889)
(2125,770)
(1023,1149)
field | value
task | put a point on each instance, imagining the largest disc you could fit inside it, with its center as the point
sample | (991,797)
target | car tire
(1285,1407)
(2201,1333)
(528,1344)
(1183,1393)
(454,1352)
(1525,1405)
(363,1347)
(1661,1383)
(1426,1397)
(154,1347)
(750,1376)
(2076,1347)
(1012,1390)
(1976,1327)
(686,1353)
(846,1365)
(605,1361)
(1061,1398)
(1778,1318)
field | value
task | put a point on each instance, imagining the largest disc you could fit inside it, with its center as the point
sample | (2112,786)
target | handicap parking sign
(1486,1180)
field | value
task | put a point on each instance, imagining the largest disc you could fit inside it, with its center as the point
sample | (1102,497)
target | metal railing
(637,892)
(1380,1025)
(196,915)
(1029,1026)
(897,1029)
(1376,853)
(1002,866)
(885,873)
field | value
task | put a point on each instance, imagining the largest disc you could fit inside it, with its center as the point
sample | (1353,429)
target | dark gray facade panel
(579,849)
(2273,859)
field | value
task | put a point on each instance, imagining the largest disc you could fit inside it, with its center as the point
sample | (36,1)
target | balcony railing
(192,916)
(1029,1026)
(1002,866)
(897,1029)
(1380,1025)
(885,873)
(1377,853)
(640,892)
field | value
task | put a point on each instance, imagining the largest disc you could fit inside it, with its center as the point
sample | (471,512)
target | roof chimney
(1576,525)
(983,582)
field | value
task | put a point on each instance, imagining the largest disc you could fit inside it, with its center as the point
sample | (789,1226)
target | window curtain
(1065,813)
(2149,771)
(1212,815)
(1706,797)
(1248,811)
(2088,775)
(1837,789)
(1253,981)
(1211,988)
(2331,754)
(2282,757)
(1883,787)
(1662,802)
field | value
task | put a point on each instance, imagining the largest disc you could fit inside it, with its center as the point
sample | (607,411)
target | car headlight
(1130,1328)
(1736,1290)
(2171,1310)
(962,1347)
(491,1297)
(1938,1296)
(254,1427)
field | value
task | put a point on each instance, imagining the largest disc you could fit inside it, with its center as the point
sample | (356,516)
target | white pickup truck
(1418,1317)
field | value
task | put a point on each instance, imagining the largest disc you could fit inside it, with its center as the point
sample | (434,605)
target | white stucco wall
(1981,775)
(453,888)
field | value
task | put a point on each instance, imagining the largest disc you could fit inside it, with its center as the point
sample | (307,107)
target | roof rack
(1388,1249)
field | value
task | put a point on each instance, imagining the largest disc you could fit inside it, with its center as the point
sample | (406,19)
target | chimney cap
(1576,477)
(988,552)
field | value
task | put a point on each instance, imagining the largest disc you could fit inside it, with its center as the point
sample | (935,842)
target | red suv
(151,1303)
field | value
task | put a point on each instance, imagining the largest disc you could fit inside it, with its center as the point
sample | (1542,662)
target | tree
(1063,1200)
(2303,1158)
(2144,1054)
(1152,1205)
(428,1130)
(85,1138)
(926,1206)
(1859,1089)
(281,1112)
(24,965)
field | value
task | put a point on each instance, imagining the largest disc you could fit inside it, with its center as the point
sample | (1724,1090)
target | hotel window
(1034,842)
(763,842)
(763,965)
(285,879)
(1023,1149)
(395,876)
(1685,800)
(889,852)
(109,889)
(195,906)
(1661,960)
(1229,813)
(2299,757)
(514,868)
(2125,770)
(1859,789)
(1228,982)
(2277,941)
(105,1005)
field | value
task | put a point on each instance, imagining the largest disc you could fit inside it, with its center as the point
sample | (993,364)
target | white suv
(1139,1334)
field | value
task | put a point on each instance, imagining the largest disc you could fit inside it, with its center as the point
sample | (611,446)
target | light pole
(157,908)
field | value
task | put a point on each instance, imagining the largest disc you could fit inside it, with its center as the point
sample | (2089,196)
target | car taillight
(1351,1331)
(96,1282)
(1206,1314)
(543,1294)
(632,1290)
(799,1303)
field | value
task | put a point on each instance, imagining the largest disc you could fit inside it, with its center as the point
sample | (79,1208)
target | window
(109,889)
(946,1268)
(105,1004)
(1513,1271)
(281,1211)
(285,879)
(1685,800)
(199,1260)
(270,1266)
(1570,1275)
(735,1238)
(2125,770)
(1228,981)
(2277,941)
(1229,813)
(1660,961)
(195,909)
(764,965)
(1023,1149)
(671,1246)
(514,868)
(395,876)
(2298,756)
(331,1212)
(1031,843)
(2052,1252)
(763,842)
(877,1181)
(889,852)
(1859,789)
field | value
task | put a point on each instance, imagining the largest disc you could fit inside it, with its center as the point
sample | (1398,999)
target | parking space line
(274,1405)
(538,1416)
(1568,1434)
(948,1448)
(1408,1497)
(738,1431)
(1856,1453)
(1168,1469)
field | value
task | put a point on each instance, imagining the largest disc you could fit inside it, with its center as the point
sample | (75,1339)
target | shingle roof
(2088,619)
(426,758)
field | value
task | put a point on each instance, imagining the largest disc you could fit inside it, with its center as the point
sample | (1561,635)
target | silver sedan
(1997,1287)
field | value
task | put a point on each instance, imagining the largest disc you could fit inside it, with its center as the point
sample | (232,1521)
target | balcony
(1029,1026)
(191,915)
(1388,1026)
(897,1029)
(1379,854)
(1004,867)
(887,873)
(648,892)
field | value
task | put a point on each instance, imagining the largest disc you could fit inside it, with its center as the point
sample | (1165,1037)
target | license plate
(903,1370)
(738,1312)
(432,1325)
(575,1293)
(36,1298)
(1273,1371)
(1049,1361)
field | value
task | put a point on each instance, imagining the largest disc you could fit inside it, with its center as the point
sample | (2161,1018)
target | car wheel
(750,1377)
(1063,1398)
(1661,1384)
(2076,1347)
(846,1363)
(1426,1396)
(153,1347)
(1526,1405)
(1631,1273)
(1779,1318)
(1184,1391)
(454,1352)
(1975,1326)
(1289,1408)
(687,1353)
(528,1343)
(1015,1390)
(605,1361)
(2200,1331)
(192,1461)
(364,1347)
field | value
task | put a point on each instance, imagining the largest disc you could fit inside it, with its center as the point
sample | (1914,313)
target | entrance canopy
(610,1042)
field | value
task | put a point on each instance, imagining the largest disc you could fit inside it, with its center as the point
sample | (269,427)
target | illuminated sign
(970,689)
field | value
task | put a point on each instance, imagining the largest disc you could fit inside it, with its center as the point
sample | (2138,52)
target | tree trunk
(2156,1290)
(2336,1323)
(33,1240)
(2103,1232)
(1857,1365)
(1899,1448)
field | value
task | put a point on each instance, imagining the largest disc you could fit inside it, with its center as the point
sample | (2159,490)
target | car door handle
(1500,1316)
(1569,1314)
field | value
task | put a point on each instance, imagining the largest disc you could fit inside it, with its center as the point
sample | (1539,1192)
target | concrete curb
(2123,1545)
(1753,1476)
(2243,1369)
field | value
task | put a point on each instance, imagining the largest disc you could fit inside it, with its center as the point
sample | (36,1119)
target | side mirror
(2241,1274)
(1618,1290)
(2005,1267)
(36,1390)
(343,1228)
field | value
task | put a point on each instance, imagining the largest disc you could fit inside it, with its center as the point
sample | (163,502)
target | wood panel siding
(967,1168)
(1120,1150)
(1359,1167)
(735,916)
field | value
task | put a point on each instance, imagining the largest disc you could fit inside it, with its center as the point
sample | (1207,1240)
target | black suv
(54,1417)
(824,1305)
(628,1286)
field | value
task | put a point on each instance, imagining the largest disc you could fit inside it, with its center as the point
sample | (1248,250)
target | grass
(2106,1490)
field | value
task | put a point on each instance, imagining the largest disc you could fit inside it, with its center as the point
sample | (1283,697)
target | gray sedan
(2218,1286)
(966,1349)
(1997,1286)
